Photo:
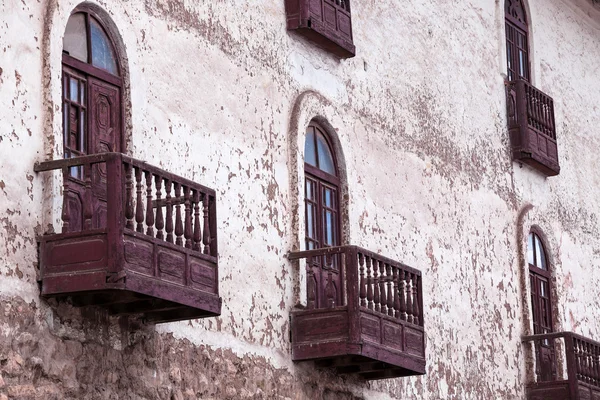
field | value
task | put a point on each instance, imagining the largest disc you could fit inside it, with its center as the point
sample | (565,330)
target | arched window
(541,303)
(321,191)
(91,95)
(517,43)
(322,211)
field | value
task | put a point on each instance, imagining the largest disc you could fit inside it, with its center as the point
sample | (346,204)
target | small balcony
(364,314)
(567,367)
(327,23)
(135,240)
(531,127)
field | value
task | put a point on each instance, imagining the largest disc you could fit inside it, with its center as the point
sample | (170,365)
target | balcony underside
(561,390)
(133,274)
(387,347)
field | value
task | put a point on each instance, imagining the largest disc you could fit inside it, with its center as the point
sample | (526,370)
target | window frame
(321,178)
(536,275)
(516,26)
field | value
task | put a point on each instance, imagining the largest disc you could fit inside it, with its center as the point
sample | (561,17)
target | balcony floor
(132,274)
(387,347)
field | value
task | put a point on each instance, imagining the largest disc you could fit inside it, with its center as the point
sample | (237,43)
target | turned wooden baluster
(187,231)
(409,297)
(402,295)
(376,297)
(129,212)
(160,222)
(597,364)
(66,211)
(196,244)
(87,203)
(577,356)
(178,223)
(416,313)
(396,296)
(390,291)
(169,200)
(369,283)
(139,203)
(149,211)
(382,287)
(363,286)
(206,239)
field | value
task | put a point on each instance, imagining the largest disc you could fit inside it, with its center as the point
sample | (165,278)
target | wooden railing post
(115,209)
(66,211)
(353,295)
(571,365)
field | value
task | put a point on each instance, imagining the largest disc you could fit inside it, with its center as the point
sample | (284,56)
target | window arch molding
(311,106)
(55,23)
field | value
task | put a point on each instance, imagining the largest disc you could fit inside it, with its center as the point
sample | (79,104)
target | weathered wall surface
(420,116)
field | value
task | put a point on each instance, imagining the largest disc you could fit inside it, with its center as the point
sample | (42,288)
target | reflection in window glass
(102,51)
(310,153)
(325,157)
(75,39)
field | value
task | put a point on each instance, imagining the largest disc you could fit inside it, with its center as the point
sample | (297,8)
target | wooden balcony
(327,23)
(531,127)
(567,367)
(135,240)
(364,314)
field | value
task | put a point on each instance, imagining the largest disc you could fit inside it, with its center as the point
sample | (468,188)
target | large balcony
(567,367)
(135,239)
(364,314)
(532,128)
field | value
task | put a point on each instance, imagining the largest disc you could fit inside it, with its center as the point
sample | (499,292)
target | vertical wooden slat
(66,211)
(160,222)
(390,291)
(187,230)
(409,298)
(376,294)
(369,283)
(169,201)
(129,212)
(149,211)
(382,288)
(396,296)
(87,202)
(416,300)
(139,203)
(363,285)
(178,222)
(196,244)
(402,295)
(206,229)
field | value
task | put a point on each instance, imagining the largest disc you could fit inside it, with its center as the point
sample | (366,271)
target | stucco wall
(225,93)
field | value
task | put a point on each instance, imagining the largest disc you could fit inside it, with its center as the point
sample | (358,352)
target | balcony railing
(135,239)
(582,358)
(364,314)
(532,127)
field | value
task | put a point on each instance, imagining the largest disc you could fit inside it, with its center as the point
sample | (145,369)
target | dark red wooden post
(352,280)
(571,365)
(115,210)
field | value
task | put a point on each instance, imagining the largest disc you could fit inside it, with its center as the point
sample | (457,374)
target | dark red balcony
(328,23)
(135,239)
(567,367)
(532,128)
(364,314)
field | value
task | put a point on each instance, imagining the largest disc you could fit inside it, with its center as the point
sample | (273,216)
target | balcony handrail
(582,354)
(377,283)
(135,201)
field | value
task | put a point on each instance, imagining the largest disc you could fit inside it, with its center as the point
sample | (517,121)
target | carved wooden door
(92,117)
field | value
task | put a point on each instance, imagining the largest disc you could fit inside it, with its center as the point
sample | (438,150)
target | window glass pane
(328,198)
(75,39)
(310,153)
(310,214)
(530,259)
(540,260)
(82,93)
(522,63)
(73,89)
(329,227)
(325,157)
(82,135)
(102,51)
(309,190)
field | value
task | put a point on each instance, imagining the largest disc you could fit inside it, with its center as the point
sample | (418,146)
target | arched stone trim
(312,106)
(55,22)
(529,220)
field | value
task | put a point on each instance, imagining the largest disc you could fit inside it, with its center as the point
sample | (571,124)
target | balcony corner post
(571,367)
(353,294)
(115,215)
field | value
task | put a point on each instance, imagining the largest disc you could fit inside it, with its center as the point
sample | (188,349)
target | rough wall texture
(420,119)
